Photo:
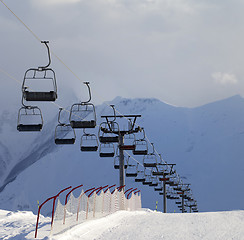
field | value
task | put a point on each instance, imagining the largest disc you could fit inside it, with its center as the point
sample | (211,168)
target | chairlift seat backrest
(83,124)
(64,141)
(140,152)
(153,184)
(88,148)
(149,164)
(131,174)
(141,179)
(101,154)
(158,189)
(29,127)
(159,173)
(40,96)
(147,182)
(107,139)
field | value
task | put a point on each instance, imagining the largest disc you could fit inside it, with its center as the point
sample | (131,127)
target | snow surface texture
(206,143)
(139,225)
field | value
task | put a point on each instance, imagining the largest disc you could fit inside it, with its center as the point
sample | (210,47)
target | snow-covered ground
(145,224)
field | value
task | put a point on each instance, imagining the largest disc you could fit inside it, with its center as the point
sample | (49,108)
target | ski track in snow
(125,225)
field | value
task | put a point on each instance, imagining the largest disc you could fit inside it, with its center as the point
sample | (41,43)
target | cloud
(224,78)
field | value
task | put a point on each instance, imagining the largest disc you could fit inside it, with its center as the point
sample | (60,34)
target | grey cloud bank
(186,53)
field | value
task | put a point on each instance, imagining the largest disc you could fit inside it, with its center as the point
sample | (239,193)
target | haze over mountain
(205,142)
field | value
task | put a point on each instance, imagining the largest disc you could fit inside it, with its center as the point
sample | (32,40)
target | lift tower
(118,131)
(165,177)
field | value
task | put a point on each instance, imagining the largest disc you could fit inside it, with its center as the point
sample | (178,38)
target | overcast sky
(183,52)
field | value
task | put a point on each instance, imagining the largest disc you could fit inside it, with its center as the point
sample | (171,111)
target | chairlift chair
(89,142)
(141,146)
(150,160)
(64,133)
(159,187)
(148,180)
(106,150)
(129,142)
(116,162)
(154,182)
(168,196)
(140,176)
(42,78)
(83,115)
(105,133)
(29,119)
(131,170)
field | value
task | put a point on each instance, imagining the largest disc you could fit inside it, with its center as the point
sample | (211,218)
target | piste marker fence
(90,204)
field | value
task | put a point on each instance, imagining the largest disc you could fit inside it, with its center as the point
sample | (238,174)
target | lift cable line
(36,37)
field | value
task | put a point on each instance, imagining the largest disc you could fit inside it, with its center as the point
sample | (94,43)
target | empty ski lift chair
(89,142)
(129,142)
(148,180)
(150,160)
(105,132)
(154,182)
(159,187)
(131,170)
(64,133)
(83,115)
(140,175)
(141,146)
(39,84)
(117,160)
(106,150)
(29,119)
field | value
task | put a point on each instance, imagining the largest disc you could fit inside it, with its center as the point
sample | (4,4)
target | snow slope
(137,225)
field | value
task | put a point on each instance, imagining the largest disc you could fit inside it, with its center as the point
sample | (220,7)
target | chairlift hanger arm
(59,115)
(89,92)
(48,52)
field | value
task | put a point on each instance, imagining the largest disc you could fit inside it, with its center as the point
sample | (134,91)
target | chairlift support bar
(108,117)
